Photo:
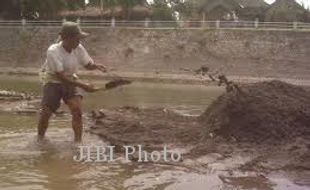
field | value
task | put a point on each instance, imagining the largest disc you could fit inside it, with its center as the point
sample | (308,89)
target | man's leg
(44,117)
(52,93)
(74,105)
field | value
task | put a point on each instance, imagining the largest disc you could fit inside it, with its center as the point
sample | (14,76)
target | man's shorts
(54,92)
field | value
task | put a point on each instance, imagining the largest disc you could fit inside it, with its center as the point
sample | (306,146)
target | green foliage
(126,6)
(281,10)
(107,3)
(47,9)
(184,8)
(193,9)
(43,9)
(251,13)
(74,4)
(161,11)
(36,9)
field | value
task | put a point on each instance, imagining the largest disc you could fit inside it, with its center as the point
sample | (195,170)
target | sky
(305,2)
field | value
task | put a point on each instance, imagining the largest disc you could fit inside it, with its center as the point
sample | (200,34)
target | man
(62,62)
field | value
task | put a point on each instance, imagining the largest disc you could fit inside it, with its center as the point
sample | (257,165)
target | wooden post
(203,20)
(256,23)
(146,22)
(218,24)
(295,25)
(113,22)
(23,23)
(64,20)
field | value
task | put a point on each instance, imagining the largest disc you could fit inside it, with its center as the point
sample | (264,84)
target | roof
(285,10)
(292,3)
(286,4)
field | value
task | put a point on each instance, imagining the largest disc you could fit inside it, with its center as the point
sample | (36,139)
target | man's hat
(70,29)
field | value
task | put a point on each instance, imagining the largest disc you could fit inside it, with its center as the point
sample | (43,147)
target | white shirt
(59,60)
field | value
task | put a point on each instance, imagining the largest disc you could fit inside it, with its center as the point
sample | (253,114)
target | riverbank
(271,54)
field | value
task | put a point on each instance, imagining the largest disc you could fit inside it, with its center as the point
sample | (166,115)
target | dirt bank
(256,53)
(269,112)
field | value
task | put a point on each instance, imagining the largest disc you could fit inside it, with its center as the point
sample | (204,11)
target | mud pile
(147,127)
(268,112)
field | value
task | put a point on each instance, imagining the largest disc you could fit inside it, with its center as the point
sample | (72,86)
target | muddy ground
(260,131)
(154,128)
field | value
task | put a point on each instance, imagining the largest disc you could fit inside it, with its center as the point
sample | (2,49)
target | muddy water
(191,99)
(25,164)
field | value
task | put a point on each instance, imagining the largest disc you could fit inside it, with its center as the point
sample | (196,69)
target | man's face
(74,41)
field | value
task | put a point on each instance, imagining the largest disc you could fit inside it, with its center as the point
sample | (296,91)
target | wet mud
(248,135)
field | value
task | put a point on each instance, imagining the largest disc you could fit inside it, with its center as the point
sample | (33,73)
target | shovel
(115,83)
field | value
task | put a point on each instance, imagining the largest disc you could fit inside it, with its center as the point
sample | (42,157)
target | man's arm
(67,80)
(99,67)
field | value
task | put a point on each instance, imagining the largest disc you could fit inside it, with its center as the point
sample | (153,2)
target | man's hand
(99,67)
(102,68)
(89,88)
(67,80)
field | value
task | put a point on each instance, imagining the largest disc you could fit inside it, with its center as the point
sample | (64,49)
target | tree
(184,8)
(252,9)
(194,9)
(110,4)
(125,5)
(10,9)
(74,4)
(47,9)
(161,11)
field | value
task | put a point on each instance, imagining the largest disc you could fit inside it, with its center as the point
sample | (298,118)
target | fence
(161,24)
